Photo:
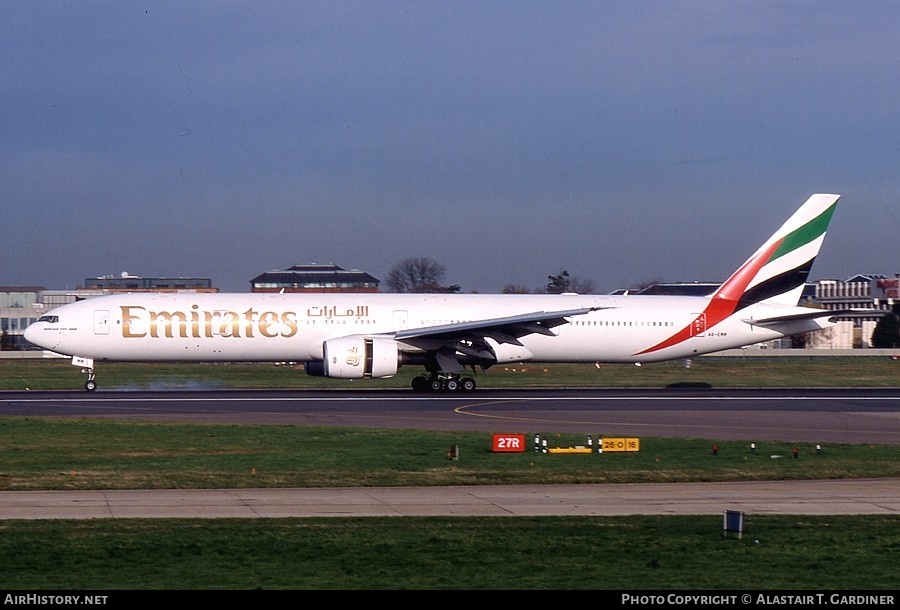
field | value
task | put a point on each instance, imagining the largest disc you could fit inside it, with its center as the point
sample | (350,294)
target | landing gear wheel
(91,384)
(442,382)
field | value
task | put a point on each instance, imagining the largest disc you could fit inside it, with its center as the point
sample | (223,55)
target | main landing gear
(442,382)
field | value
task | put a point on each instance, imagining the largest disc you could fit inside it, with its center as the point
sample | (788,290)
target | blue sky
(622,141)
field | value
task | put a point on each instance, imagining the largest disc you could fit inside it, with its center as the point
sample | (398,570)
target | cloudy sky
(622,141)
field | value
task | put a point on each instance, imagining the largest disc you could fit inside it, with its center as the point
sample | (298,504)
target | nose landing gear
(87,368)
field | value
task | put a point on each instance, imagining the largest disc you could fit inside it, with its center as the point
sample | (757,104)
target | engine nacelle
(357,356)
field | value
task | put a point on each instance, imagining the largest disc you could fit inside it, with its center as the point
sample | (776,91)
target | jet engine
(357,356)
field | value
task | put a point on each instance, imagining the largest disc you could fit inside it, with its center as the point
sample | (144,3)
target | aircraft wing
(449,344)
(503,330)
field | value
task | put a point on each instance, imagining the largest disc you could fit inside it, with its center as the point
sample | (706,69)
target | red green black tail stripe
(740,291)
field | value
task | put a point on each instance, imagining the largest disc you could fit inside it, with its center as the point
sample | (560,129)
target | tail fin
(776,273)
(778,270)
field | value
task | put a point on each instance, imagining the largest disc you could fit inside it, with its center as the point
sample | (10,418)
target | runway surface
(837,416)
(869,415)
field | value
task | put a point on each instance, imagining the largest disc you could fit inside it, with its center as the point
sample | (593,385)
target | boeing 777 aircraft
(353,336)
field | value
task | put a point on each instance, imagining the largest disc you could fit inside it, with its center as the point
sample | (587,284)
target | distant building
(863,291)
(693,289)
(19,296)
(312,277)
(133,283)
(19,307)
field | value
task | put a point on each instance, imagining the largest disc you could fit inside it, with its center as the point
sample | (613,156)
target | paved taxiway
(830,497)
(840,416)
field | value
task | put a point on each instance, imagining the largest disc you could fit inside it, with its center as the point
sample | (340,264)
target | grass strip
(825,553)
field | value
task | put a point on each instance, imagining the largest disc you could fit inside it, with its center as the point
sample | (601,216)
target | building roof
(21,288)
(864,277)
(681,288)
(312,273)
(139,282)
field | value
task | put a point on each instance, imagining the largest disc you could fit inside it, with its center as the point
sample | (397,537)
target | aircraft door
(400,319)
(101,322)
(221,324)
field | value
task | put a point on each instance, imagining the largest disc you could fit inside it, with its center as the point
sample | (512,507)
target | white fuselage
(293,327)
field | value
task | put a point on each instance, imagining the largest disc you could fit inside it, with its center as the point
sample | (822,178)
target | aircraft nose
(33,335)
(30,333)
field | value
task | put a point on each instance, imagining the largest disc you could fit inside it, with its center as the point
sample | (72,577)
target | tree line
(425,275)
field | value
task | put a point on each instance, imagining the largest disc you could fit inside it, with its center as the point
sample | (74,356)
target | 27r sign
(508,443)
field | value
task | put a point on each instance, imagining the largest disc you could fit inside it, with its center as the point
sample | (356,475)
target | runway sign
(621,444)
(508,443)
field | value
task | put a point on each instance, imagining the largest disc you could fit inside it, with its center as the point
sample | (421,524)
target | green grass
(39,453)
(718,371)
(825,553)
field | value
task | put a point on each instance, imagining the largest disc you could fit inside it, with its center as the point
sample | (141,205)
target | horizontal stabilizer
(812,315)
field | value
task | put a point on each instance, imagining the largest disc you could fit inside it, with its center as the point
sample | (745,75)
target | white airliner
(353,336)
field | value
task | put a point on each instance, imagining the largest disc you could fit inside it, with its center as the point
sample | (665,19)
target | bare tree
(563,282)
(418,274)
(559,283)
(581,286)
(801,341)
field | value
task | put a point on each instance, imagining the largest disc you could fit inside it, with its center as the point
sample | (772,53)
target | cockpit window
(51,319)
